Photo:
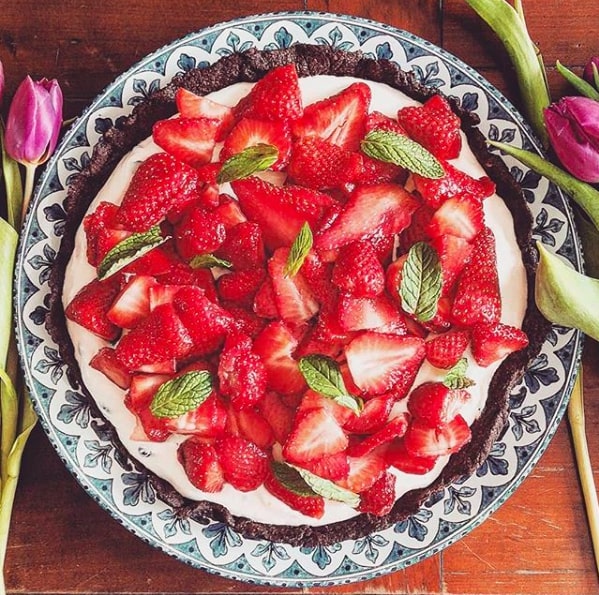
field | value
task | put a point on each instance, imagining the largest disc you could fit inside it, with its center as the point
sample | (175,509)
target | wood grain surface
(63,542)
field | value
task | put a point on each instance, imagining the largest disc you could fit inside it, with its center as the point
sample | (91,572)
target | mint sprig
(247,162)
(329,490)
(290,478)
(182,394)
(130,249)
(403,151)
(421,282)
(299,250)
(456,376)
(207,261)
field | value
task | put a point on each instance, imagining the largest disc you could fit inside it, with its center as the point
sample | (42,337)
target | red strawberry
(157,261)
(90,306)
(394,428)
(264,300)
(142,389)
(393,277)
(294,301)
(312,506)
(202,466)
(191,105)
(229,212)
(317,274)
(384,246)
(358,271)
(379,121)
(240,287)
(492,342)
(373,416)
(249,132)
(159,184)
(377,361)
(358,313)
(208,420)
(277,414)
(199,232)
(313,400)
(243,246)
(315,434)
(477,298)
(461,216)
(385,208)
(106,362)
(333,467)
(254,427)
(444,351)
(422,440)
(275,345)
(364,471)
(339,119)
(244,320)
(171,282)
(190,140)
(102,232)
(454,253)
(276,96)
(435,191)
(435,404)
(132,304)
(433,125)
(418,228)
(319,164)
(241,372)
(245,466)
(380,497)
(397,456)
(280,211)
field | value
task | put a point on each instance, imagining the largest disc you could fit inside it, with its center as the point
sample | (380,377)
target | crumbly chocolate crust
(310,60)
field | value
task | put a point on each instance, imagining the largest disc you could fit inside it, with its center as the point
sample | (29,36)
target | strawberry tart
(299,287)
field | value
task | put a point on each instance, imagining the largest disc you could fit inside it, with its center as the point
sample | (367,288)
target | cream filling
(161,458)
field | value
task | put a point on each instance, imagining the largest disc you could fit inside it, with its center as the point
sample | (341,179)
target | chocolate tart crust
(310,60)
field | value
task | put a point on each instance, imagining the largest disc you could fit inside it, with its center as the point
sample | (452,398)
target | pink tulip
(573,127)
(34,121)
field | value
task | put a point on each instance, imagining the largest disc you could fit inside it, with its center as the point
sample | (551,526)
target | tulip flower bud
(589,71)
(1,82)
(573,127)
(34,121)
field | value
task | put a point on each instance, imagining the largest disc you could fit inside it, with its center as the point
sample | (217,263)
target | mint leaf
(128,250)
(322,374)
(329,490)
(401,150)
(206,261)
(456,377)
(182,394)
(249,161)
(290,477)
(299,250)
(421,282)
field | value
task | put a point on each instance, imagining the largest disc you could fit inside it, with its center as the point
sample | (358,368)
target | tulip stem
(28,192)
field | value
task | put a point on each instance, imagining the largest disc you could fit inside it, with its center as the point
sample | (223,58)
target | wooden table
(63,542)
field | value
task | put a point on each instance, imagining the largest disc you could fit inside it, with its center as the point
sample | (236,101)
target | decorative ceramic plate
(84,440)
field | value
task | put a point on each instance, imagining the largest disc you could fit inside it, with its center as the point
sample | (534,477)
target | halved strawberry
(264,300)
(334,467)
(243,246)
(313,400)
(422,440)
(454,253)
(159,184)
(383,208)
(360,313)
(245,466)
(229,212)
(276,96)
(377,361)
(208,420)
(380,497)
(106,362)
(90,306)
(279,211)
(190,140)
(435,404)
(394,428)
(373,416)
(278,415)
(339,119)
(254,427)
(460,216)
(318,276)
(364,471)
(312,506)
(102,232)
(199,232)
(444,351)
(358,271)
(191,105)
(492,342)
(417,231)
(240,287)
(379,121)
(142,389)
(393,277)
(202,466)
(158,261)
(249,132)
(132,304)
(398,456)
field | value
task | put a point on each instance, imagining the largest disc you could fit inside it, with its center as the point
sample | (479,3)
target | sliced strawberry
(373,416)
(422,440)
(142,389)
(276,96)
(245,466)
(364,471)
(159,337)
(149,427)
(171,282)
(393,277)
(380,497)
(264,300)
(433,125)
(313,400)
(159,184)
(229,212)
(379,121)
(191,105)
(202,466)
(244,320)
(240,287)
(276,345)
(249,132)
(459,216)
(477,298)
(278,415)
(398,456)
(359,313)
(315,434)
(492,342)
(167,366)
(435,404)
(418,228)
(132,304)
(102,232)
(394,428)
(90,306)
(254,427)
(106,362)
(382,208)
(318,275)
(454,253)
(199,232)
(294,301)
(377,361)
(243,246)
(161,294)
(208,420)
(444,351)
(158,261)
(339,119)
(333,467)
(279,211)
(312,506)
(358,271)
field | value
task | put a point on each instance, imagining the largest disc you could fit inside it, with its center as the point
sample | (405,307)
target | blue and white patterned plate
(85,442)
